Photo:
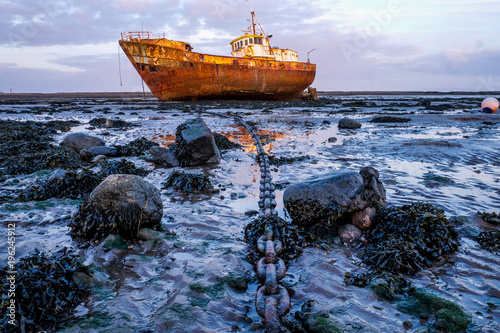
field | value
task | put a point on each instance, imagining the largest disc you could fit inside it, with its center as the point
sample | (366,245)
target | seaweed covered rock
(385,285)
(408,238)
(75,185)
(223,143)
(121,204)
(334,196)
(390,119)
(137,147)
(78,141)
(46,292)
(447,316)
(492,218)
(110,123)
(195,144)
(489,240)
(189,182)
(26,147)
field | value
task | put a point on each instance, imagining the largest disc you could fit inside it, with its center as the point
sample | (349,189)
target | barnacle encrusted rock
(121,204)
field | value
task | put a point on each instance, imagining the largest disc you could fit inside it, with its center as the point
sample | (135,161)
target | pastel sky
(359,45)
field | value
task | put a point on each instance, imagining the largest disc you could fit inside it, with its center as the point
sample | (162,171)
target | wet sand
(447,155)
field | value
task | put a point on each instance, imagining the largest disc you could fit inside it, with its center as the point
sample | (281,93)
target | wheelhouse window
(258,40)
(251,40)
(246,42)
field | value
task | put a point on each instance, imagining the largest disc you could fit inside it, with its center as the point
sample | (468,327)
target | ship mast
(253,17)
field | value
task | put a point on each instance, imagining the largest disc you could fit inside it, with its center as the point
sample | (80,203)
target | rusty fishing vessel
(173,72)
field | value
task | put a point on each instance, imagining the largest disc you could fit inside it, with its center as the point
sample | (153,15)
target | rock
(346,123)
(449,316)
(349,233)
(89,154)
(121,204)
(363,219)
(383,288)
(195,144)
(314,323)
(237,281)
(146,234)
(78,141)
(390,119)
(332,139)
(114,242)
(57,175)
(163,157)
(333,196)
(100,159)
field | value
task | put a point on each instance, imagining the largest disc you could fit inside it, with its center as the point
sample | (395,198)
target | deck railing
(134,35)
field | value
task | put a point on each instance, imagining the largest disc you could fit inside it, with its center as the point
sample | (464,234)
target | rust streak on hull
(173,72)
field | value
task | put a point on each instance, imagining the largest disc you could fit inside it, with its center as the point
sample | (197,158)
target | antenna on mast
(253,16)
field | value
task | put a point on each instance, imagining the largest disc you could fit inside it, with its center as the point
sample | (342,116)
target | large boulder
(78,141)
(196,144)
(335,196)
(121,204)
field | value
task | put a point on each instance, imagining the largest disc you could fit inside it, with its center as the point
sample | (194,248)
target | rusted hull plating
(173,74)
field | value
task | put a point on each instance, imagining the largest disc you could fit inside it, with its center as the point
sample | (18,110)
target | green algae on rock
(448,316)
(386,286)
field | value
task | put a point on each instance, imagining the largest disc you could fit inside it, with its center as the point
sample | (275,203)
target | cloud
(357,45)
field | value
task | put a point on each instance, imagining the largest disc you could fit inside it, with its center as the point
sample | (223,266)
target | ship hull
(173,73)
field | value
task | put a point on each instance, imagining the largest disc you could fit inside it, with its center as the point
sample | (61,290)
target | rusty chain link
(272,300)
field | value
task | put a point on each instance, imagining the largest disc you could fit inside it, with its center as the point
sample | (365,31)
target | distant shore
(122,95)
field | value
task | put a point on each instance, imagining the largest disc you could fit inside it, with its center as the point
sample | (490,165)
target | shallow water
(448,158)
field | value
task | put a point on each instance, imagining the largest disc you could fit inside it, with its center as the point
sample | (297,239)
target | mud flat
(433,148)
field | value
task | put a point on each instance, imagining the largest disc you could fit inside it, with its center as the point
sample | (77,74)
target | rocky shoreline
(433,157)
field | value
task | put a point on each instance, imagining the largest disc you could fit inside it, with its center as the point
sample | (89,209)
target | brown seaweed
(46,293)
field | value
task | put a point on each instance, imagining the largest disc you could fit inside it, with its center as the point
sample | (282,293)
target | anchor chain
(272,300)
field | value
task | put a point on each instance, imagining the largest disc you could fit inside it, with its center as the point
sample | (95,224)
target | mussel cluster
(408,238)
(293,242)
(76,185)
(45,293)
(189,182)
